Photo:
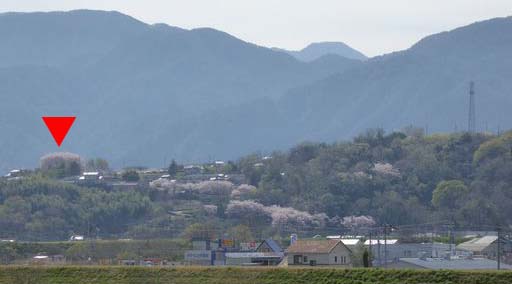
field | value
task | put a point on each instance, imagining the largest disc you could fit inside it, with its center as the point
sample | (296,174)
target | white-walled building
(319,252)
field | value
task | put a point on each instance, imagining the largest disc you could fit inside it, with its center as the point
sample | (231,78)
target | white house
(352,244)
(319,252)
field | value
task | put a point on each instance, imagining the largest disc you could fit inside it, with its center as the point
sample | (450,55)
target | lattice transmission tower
(472,109)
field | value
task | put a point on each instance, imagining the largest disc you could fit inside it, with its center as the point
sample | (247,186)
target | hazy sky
(371,26)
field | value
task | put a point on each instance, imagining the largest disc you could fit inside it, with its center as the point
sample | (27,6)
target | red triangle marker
(59,126)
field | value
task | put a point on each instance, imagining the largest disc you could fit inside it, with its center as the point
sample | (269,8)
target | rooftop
(272,244)
(40,257)
(253,255)
(478,244)
(347,242)
(375,242)
(313,246)
(351,242)
(192,167)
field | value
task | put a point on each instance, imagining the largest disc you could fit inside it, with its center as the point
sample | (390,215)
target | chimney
(293,239)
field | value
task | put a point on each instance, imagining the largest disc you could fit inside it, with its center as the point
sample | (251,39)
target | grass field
(169,249)
(190,275)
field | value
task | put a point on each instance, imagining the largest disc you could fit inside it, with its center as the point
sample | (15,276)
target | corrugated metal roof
(347,242)
(253,255)
(350,242)
(40,257)
(478,244)
(375,242)
(456,264)
(333,237)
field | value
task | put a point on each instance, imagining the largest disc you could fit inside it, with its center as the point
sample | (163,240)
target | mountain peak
(318,49)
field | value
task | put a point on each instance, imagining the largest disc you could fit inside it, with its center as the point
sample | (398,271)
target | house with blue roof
(269,245)
(268,253)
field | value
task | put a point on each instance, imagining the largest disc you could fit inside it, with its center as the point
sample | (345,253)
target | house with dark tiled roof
(319,252)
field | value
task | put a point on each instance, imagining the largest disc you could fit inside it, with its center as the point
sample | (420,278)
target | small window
(343,259)
(305,259)
(335,259)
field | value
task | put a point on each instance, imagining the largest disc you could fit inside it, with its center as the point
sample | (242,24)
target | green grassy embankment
(169,249)
(191,275)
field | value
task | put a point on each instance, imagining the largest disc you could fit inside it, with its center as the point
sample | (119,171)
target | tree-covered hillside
(463,179)
(129,83)
(402,178)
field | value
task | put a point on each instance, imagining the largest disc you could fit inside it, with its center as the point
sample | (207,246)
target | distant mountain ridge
(317,50)
(119,75)
(426,86)
(144,94)
(58,38)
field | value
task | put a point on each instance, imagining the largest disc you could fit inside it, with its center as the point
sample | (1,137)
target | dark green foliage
(97,164)
(130,176)
(366,258)
(168,249)
(200,232)
(173,169)
(39,209)
(395,178)
(449,193)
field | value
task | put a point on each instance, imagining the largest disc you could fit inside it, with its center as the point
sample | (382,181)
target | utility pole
(450,240)
(452,243)
(89,240)
(432,236)
(498,253)
(385,245)
(379,250)
(370,253)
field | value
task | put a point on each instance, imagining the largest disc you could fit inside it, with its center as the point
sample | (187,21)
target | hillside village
(221,213)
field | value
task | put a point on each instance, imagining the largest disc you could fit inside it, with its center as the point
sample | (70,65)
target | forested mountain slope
(128,82)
